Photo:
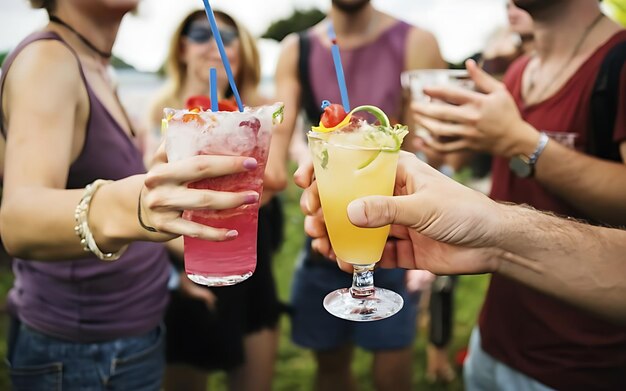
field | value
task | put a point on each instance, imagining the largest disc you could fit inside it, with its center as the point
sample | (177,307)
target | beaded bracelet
(82,226)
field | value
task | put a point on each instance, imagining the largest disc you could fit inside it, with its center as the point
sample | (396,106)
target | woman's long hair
(247,77)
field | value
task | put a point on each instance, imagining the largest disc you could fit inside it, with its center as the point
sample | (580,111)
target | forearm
(595,187)
(581,264)
(38,223)
(276,169)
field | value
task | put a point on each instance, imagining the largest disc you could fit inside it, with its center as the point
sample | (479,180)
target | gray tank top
(88,300)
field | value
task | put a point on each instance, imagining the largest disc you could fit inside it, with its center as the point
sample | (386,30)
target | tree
(298,21)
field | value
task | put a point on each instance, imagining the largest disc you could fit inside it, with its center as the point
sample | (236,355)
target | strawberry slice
(201,102)
(227,105)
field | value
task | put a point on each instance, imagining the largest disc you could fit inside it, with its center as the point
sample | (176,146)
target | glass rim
(317,137)
(455,72)
(406,76)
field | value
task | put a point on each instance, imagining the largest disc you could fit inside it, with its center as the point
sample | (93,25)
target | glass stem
(362,281)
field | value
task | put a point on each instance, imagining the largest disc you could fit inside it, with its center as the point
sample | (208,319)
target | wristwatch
(524,166)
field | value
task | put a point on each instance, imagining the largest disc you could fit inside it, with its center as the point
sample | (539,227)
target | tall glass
(345,173)
(414,81)
(232,134)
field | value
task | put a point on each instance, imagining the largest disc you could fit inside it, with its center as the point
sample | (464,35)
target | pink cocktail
(232,134)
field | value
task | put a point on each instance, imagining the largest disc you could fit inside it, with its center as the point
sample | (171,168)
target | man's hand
(437,224)
(486,120)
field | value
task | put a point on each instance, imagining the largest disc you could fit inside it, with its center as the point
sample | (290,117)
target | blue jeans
(39,362)
(482,372)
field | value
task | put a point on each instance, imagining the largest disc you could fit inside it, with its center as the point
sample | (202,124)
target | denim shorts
(314,328)
(39,362)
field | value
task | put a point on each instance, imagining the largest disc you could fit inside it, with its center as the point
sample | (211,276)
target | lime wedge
(278,115)
(376,112)
(164,124)
(370,159)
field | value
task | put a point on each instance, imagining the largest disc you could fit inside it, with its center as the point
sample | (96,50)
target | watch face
(520,167)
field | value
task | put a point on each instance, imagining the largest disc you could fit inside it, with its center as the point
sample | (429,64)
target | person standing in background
(375,49)
(232,328)
(81,216)
(554,150)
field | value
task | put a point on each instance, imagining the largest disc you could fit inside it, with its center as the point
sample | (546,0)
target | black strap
(604,101)
(101,53)
(312,110)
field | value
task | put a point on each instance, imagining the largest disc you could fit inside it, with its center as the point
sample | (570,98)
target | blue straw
(220,46)
(341,80)
(213,81)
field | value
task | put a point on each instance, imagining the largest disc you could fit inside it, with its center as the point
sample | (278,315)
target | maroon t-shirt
(552,342)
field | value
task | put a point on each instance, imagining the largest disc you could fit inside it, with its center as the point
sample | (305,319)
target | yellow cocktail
(353,160)
(344,179)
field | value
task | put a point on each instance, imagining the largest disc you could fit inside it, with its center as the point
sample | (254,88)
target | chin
(121,5)
(536,6)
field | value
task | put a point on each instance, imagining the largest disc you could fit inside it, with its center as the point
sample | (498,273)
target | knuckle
(152,200)
(202,164)
(154,177)
(207,198)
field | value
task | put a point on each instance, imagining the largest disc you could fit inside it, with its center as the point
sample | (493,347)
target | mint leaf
(324,158)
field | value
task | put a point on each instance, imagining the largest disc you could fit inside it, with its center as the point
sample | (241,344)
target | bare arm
(581,264)
(46,117)
(465,232)
(491,122)
(287,91)
(593,186)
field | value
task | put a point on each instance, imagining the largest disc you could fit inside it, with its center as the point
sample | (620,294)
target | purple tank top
(88,300)
(372,71)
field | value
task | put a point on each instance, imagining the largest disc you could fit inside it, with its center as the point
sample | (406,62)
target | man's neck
(357,23)
(557,31)
(100,30)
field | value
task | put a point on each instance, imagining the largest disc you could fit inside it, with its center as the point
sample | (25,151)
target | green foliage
(3,55)
(118,63)
(298,21)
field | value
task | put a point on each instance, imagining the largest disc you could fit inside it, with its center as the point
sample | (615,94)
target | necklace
(581,40)
(101,53)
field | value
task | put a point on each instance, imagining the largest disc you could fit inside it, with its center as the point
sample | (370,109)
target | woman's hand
(165,194)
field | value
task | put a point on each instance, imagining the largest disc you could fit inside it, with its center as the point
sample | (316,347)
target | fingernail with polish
(251,198)
(250,163)
(232,234)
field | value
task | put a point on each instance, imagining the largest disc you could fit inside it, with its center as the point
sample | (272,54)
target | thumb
(377,211)
(484,81)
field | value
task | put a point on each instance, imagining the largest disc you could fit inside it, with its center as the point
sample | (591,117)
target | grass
(295,368)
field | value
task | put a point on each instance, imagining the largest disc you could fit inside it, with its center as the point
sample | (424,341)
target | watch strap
(541,145)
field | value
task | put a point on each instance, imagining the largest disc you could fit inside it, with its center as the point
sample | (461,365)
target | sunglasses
(203,34)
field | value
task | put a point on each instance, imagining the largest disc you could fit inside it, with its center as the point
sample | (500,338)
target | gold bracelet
(82,226)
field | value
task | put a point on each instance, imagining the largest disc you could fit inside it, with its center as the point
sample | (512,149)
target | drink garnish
(203,102)
(381,137)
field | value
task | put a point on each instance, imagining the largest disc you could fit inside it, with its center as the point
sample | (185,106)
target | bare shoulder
(47,60)
(422,37)
(423,50)
(44,71)
(290,43)
(289,54)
